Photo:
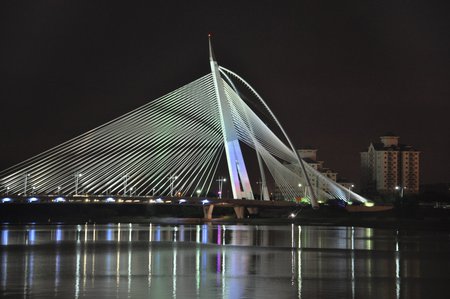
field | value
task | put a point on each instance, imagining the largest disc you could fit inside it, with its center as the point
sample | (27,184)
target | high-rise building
(389,167)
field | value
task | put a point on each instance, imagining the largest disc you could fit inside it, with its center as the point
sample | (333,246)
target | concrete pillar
(240,211)
(208,212)
(252,210)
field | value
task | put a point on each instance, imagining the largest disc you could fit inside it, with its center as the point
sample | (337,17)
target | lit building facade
(388,166)
(309,155)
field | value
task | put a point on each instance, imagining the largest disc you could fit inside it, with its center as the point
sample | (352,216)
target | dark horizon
(337,75)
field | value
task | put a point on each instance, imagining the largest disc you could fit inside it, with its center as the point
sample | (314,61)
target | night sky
(338,74)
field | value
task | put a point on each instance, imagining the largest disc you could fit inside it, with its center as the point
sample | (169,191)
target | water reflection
(222,261)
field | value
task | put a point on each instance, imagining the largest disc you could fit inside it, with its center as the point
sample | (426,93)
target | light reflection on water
(220,261)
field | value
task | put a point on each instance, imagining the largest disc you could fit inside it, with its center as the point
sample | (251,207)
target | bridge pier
(208,212)
(252,210)
(240,212)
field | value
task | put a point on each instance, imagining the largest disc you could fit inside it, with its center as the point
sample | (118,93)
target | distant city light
(110,199)
(6,199)
(182,201)
(205,201)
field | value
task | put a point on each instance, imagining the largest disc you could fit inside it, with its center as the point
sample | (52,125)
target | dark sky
(338,74)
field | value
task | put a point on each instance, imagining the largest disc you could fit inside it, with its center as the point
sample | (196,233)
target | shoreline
(405,217)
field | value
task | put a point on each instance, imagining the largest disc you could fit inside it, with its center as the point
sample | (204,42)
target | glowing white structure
(173,146)
(240,183)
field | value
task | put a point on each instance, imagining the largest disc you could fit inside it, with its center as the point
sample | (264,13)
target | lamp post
(78,175)
(304,192)
(172,179)
(7,190)
(221,180)
(349,191)
(401,188)
(153,191)
(59,190)
(199,191)
(27,175)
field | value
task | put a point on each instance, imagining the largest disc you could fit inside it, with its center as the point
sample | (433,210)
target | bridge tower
(240,184)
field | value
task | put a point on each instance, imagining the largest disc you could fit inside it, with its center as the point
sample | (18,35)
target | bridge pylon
(240,183)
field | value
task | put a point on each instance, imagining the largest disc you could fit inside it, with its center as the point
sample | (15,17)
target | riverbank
(403,217)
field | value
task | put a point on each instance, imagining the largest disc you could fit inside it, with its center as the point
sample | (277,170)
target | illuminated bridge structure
(173,146)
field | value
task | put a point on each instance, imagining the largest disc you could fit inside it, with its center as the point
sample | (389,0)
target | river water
(221,261)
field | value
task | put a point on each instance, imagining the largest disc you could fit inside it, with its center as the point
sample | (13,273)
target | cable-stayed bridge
(174,146)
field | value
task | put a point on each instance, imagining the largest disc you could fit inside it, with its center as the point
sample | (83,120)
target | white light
(32,199)
(59,199)
(182,201)
(110,199)
(292,215)
(159,200)
(205,201)
(369,204)
(6,199)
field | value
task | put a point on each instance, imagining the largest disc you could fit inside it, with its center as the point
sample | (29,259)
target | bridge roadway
(207,203)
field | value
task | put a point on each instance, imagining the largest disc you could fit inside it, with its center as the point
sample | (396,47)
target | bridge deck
(107,199)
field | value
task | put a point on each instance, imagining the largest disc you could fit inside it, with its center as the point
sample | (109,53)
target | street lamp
(172,179)
(131,191)
(401,188)
(221,180)
(198,192)
(349,191)
(7,190)
(78,175)
(27,175)
(304,192)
